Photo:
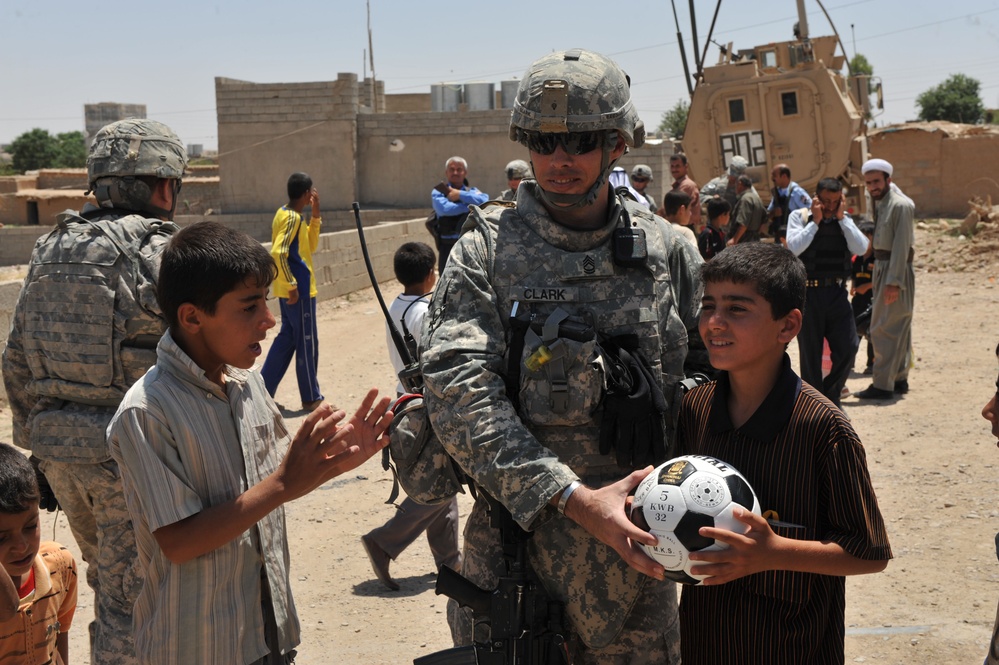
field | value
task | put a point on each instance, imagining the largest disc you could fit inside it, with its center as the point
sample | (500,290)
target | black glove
(633,409)
(46,497)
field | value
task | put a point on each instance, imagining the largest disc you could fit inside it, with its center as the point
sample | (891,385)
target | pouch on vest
(73,434)
(561,376)
(420,464)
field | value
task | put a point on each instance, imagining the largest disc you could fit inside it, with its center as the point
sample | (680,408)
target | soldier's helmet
(518,169)
(642,171)
(136,147)
(576,91)
(737,166)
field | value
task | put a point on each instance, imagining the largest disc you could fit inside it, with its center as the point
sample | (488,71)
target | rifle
(526,627)
(410,376)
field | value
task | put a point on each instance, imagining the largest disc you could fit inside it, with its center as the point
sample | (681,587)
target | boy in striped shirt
(199,443)
(778,593)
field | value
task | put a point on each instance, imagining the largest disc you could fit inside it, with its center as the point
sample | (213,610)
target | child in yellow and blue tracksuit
(293,239)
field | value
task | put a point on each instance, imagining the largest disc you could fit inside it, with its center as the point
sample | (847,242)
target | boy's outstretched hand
(325,447)
(363,435)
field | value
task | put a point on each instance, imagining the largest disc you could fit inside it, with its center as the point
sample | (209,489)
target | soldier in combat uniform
(85,328)
(540,434)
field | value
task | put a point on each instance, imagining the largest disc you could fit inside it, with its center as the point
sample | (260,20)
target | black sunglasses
(574,143)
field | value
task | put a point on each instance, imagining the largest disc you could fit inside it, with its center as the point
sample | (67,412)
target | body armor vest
(91,325)
(559,401)
(828,256)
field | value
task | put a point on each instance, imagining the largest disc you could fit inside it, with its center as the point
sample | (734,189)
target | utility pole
(371,55)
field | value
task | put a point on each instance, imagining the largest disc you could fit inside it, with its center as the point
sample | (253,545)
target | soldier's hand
(454,195)
(46,497)
(602,512)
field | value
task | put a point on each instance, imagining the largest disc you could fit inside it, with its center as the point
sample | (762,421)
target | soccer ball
(683,495)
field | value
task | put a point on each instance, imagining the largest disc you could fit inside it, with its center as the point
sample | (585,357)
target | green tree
(36,149)
(957,99)
(72,151)
(674,120)
(860,65)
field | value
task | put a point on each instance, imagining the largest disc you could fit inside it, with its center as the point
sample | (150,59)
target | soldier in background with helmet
(515,171)
(85,328)
(540,434)
(641,177)
(736,169)
(724,184)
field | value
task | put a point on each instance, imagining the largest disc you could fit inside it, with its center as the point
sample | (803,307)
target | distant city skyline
(167,56)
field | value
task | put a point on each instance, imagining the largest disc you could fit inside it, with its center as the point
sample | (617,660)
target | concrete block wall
(405,177)
(269,131)
(16,243)
(198,195)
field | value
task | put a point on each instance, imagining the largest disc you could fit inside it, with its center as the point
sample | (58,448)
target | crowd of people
(131,369)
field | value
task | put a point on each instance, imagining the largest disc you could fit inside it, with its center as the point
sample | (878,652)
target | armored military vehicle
(783,102)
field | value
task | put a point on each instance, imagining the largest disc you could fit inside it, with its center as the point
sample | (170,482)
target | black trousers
(828,315)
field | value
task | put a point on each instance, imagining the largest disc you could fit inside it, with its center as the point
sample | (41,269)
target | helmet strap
(590,196)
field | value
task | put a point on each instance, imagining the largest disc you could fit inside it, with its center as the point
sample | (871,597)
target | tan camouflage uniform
(85,328)
(519,254)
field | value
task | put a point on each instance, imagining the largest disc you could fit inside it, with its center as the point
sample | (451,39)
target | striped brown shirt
(806,463)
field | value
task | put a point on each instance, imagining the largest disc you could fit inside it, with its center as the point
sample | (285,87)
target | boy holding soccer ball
(777,594)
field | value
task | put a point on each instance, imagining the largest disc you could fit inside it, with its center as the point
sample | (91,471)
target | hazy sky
(58,55)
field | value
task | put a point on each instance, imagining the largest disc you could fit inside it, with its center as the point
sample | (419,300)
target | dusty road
(932,459)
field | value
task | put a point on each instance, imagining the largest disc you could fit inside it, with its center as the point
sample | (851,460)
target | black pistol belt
(825,282)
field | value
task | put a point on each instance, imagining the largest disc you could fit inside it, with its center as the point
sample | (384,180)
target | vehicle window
(789,103)
(736,110)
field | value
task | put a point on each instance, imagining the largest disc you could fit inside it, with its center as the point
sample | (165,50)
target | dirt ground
(932,459)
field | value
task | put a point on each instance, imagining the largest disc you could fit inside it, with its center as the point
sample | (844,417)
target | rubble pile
(971,244)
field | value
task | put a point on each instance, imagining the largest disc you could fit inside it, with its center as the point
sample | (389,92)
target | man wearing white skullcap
(894,283)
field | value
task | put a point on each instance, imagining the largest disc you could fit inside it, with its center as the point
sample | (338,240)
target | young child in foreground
(778,593)
(40,577)
(198,440)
